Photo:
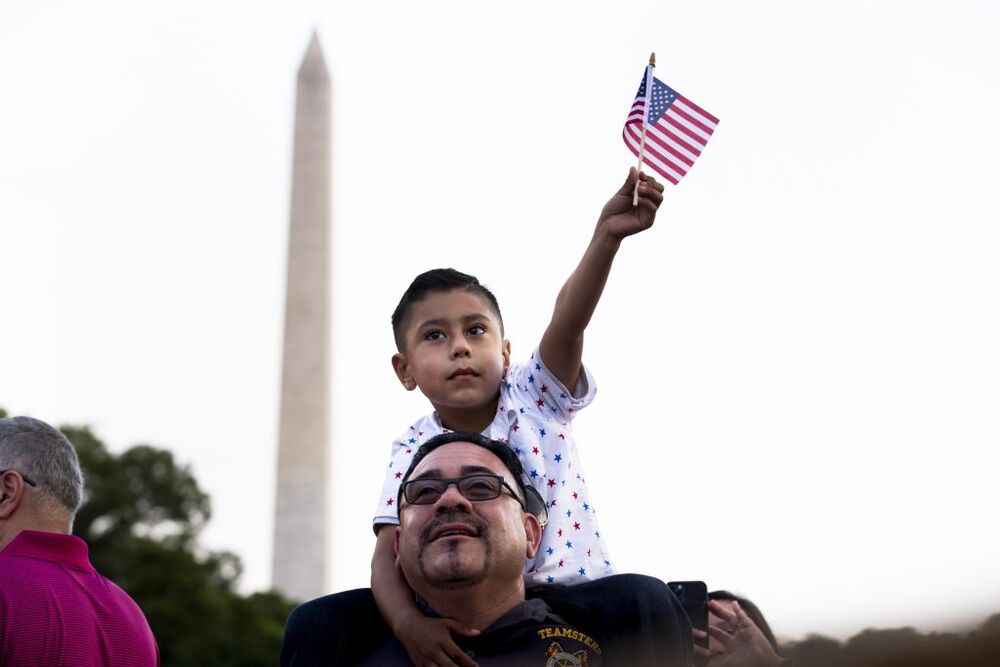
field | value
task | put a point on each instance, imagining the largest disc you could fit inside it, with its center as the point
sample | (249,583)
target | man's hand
(619,218)
(740,641)
(428,641)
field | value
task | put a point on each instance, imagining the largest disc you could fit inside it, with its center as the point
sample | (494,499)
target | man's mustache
(473,522)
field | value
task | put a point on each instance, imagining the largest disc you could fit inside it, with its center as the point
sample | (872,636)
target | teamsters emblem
(557,657)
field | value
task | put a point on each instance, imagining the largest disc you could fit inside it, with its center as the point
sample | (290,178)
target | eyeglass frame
(27,479)
(449,481)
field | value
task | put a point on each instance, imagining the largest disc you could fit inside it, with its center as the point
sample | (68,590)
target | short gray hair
(33,448)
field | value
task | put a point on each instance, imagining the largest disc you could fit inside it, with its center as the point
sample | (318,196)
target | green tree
(141,516)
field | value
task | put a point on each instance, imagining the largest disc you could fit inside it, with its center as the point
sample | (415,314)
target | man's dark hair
(436,280)
(532,500)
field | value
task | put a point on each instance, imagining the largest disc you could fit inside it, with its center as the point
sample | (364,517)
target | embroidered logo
(557,657)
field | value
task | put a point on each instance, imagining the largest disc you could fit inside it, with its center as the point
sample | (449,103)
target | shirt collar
(55,547)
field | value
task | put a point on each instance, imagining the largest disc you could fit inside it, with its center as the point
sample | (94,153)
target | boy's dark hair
(437,280)
(533,501)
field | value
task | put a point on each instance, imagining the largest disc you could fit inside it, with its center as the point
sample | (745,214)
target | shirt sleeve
(399,461)
(549,395)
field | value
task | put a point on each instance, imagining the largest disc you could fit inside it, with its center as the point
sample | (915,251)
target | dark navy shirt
(529,634)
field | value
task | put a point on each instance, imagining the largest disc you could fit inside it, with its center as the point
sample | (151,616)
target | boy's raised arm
(428,641)
(562,344)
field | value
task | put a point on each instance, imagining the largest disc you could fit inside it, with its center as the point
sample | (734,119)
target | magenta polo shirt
(55,609)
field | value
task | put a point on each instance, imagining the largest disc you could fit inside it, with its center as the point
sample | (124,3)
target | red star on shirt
(576,525)
(552,482)
(515,427)
(562,437)
(409,451)
(560,563)
(534,450)
(545,388)
(539,402)
(389,502)
(398,475)
(574,493)
(559,532)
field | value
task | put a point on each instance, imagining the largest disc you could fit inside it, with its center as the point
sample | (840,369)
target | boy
(449,336)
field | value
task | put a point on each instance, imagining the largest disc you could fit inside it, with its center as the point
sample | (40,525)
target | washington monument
(302,505)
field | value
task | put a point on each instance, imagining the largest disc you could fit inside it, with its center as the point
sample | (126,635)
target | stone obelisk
(302,504)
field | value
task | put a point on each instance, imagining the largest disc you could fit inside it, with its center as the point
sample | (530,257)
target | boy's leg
(338,629)
(638,618)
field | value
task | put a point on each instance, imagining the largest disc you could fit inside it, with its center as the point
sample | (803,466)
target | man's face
(456,543)
(454,350)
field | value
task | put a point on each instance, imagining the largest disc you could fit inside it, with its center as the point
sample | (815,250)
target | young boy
(450,341)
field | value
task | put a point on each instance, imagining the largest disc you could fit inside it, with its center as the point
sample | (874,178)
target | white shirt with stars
(533,418)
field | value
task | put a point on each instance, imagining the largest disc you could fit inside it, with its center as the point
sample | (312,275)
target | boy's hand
(619,218)
(428,641)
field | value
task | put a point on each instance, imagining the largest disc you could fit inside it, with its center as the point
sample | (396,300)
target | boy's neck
(474,420)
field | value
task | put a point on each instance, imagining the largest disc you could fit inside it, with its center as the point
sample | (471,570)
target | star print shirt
(533,417)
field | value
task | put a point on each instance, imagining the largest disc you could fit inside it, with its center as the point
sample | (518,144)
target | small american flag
(676,130)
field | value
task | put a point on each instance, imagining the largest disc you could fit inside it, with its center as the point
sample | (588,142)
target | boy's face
(454,351)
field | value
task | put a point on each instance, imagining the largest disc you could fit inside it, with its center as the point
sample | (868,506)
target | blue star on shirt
(586,506)
(538,367)
(541,432)
(549,579)
(569,545)
(531,379)
(549,551)
(533,473)
(412,441)
(558,458)
(582,572)
(569,513)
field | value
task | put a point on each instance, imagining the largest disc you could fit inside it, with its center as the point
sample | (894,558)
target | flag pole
(645,120)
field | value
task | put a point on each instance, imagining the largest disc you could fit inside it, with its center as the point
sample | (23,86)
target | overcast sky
(797,367)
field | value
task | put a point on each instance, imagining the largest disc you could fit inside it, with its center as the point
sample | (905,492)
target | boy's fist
(619,218)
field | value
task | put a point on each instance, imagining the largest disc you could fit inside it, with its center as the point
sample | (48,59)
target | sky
(796,366)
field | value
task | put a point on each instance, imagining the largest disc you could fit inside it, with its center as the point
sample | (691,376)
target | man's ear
(401,367)
(11,494)
(505,350)
(533,533)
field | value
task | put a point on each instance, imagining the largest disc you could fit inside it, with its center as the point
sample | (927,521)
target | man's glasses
(27,479)
(474,487)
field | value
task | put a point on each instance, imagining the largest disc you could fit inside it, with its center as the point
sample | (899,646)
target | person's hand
(619,218)
(740,641)
(429,643)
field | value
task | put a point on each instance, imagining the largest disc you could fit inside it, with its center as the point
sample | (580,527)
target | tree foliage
(141,516)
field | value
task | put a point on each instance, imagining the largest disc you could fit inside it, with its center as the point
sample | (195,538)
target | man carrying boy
(469,518)
(450,341)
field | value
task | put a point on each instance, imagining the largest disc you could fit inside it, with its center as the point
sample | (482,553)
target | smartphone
(693,596)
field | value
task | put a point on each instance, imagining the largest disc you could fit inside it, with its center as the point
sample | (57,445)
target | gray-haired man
(55,609)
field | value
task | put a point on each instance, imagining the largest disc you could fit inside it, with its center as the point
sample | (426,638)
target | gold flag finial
(652,58)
